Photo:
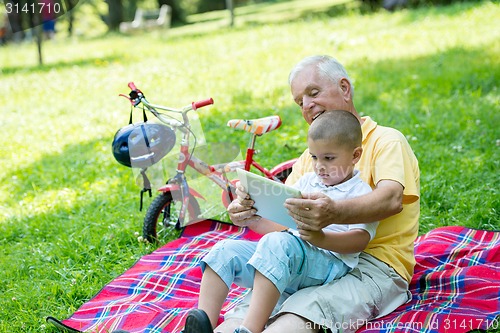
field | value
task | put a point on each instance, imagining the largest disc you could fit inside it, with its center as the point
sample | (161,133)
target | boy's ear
(356,154)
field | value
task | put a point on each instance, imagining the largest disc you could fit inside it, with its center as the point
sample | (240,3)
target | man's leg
(229,325)
(291,323)
(372,289)
(288,323)
(213,293)
(264,299)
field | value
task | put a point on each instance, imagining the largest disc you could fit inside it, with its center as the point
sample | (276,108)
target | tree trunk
(115,15)
(38,32)
(69,7)
(35,22)
(230,7)
(130,10)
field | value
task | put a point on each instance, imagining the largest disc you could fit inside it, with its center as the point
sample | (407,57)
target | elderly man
(379,284)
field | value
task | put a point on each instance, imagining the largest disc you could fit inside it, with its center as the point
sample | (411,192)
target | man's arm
(316,211)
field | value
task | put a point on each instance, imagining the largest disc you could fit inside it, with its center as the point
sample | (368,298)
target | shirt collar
(343,187)
(367,127)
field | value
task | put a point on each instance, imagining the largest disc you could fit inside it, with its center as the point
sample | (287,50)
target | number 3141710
(454,324)
(35,8)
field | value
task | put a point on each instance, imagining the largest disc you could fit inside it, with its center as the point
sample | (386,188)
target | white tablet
(269,197)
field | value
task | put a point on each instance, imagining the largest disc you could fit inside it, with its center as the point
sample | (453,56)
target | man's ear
(356,154)
(345,86)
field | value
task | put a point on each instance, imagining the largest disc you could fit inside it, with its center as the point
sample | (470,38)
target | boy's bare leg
(265,296)
(213,293)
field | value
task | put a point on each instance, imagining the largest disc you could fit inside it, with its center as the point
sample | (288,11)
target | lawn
(69,217)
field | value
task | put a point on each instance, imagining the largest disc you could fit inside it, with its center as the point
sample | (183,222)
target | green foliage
(69,215)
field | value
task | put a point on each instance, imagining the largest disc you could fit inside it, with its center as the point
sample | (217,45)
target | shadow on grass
(80,165)
(96,62)
(281,11)
(260,14)
(426,11)
(284,12)
(75,166)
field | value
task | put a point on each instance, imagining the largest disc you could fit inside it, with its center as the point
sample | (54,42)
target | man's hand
(312,212)
(316,210)
(241,210)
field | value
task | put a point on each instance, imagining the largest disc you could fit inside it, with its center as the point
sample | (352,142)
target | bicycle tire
(162,213)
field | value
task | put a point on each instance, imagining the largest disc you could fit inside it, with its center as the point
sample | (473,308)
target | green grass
(69,216)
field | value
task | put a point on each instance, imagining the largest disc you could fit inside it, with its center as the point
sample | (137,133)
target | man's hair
(326,66)
(339,126)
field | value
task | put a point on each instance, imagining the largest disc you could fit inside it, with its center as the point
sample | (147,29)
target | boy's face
(333,163)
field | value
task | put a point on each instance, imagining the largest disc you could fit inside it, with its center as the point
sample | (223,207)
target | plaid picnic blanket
(456,286)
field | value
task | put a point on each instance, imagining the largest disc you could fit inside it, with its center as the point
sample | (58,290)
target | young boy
(288,261)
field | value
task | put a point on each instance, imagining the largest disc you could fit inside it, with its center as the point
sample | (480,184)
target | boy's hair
(339,126)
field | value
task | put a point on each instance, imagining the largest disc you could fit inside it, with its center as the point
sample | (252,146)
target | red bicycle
(177,204)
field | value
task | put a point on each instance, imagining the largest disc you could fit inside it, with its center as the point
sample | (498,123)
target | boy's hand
(313,237)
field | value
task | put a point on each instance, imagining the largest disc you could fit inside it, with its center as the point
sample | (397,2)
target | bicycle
(177,205)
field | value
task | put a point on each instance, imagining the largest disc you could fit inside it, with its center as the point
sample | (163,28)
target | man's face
(315,94)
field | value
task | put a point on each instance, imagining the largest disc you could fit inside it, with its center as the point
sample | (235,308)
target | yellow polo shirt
(386,155)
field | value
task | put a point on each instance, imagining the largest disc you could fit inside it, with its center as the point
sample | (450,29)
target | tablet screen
(269,197)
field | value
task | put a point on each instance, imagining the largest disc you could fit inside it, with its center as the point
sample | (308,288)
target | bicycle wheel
(163,216)
(283,170)
(283,174)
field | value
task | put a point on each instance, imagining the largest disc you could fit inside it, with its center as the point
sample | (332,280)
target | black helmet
(143,144)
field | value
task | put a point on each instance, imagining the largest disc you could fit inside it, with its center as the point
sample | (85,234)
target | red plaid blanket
(456,286)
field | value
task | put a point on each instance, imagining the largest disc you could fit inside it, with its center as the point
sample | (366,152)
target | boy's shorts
(287,261)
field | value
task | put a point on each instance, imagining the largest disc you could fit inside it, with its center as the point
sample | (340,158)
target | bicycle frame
(216,173)
(179,182)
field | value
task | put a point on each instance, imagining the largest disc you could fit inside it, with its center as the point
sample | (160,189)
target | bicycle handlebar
(132,86)
(137,93)
(201,104)
(136,97)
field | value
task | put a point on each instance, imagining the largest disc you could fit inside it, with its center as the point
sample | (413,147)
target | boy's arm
(263,226)
(351,241)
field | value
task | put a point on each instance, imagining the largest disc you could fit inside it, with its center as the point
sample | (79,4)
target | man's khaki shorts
(371,290)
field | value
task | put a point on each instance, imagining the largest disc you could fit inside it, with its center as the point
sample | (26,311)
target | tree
(24,15)
(115,14)
(35,21)
(230,7)
(69,6)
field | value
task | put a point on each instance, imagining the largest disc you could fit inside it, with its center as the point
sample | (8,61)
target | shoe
(197,321)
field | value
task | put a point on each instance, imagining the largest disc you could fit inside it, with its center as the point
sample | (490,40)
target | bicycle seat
(257,126)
